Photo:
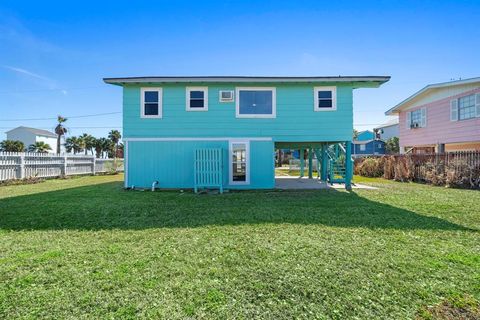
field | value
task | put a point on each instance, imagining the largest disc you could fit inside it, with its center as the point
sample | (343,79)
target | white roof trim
(239,79)
(395,109)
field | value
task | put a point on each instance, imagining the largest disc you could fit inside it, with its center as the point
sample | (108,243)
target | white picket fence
(15,165)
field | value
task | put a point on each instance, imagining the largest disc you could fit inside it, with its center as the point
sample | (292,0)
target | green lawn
(85,248)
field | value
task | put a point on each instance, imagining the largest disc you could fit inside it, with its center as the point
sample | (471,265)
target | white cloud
(28,73)
(45,81)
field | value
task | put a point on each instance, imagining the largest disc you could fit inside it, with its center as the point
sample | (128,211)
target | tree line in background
(100,147)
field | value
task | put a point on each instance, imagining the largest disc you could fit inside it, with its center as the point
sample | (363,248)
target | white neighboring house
(31,135)
(388,130)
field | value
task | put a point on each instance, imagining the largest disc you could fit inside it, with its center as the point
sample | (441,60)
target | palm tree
(88,141)
(80,143)
(12,146)
(101,145)
(60,130)
(40,147)
(73,144)
(115,136)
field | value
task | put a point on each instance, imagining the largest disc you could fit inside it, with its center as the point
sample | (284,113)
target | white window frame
(205,98)
(334,98)
(459,108)
(226,100)
(142,102)
(363,147)
(247,162)
(419,113)
(274,102)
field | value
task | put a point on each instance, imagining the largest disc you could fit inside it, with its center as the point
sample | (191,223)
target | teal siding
(295,121)
(262,166)
(172,163)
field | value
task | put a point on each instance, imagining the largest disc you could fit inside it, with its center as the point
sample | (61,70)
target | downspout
(153,185)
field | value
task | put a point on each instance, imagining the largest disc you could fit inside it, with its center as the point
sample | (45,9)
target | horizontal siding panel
(295,115)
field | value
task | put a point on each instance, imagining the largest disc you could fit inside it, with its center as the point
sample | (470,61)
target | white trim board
(200,139)
(125,165)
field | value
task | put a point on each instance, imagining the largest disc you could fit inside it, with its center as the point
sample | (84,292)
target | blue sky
(53,56)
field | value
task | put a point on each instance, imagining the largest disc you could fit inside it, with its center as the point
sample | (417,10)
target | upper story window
(466,107)
(197,98)
(256,102)
(151,102)
(325,98)
(417,118)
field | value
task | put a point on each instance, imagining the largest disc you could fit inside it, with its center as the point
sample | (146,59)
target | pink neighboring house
(441,117)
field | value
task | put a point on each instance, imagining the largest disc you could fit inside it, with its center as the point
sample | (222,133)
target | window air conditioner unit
(226,95)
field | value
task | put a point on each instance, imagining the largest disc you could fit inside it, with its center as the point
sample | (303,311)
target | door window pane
(239,162)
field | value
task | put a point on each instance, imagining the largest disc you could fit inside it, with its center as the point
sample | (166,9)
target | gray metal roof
(38,132)
(392,122)
(376,80)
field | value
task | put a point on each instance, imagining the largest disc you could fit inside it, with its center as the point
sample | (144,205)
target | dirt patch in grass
(464,308)
(14,182)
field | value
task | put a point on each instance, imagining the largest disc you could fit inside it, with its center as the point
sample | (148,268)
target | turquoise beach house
(222,131)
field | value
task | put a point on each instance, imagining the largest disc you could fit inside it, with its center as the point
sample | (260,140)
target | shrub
(435,173)
(400,170)
(433,170)
(371,167)
(460,174)
(389,168)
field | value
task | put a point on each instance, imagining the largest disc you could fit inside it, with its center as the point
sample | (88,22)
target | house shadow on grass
(108,206)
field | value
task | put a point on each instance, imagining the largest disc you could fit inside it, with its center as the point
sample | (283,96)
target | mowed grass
(85,248)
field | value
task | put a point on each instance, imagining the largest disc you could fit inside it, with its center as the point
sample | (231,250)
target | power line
(70,117)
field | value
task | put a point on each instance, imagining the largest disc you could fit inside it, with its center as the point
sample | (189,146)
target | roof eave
(358,81)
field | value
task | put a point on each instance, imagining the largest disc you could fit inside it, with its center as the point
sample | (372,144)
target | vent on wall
(226,95)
